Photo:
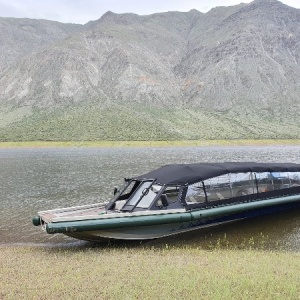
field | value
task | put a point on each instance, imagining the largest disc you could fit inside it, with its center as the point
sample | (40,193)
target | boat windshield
(143,196)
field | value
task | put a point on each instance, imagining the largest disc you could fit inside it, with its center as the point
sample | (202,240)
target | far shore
(113,144)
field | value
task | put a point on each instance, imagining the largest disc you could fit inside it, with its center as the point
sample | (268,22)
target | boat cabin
(194,186)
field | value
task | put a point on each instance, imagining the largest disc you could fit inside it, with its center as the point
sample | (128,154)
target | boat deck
(73,212)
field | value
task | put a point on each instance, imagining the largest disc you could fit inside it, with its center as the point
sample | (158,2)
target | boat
(180,197)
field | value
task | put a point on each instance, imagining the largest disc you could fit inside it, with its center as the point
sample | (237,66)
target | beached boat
(179,198)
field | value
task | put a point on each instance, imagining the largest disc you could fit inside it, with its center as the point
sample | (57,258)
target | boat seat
(220,196)
(119,204)
(191,199)
(164,200)
(196,199)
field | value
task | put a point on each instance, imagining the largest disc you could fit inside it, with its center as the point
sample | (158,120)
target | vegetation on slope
(92,122)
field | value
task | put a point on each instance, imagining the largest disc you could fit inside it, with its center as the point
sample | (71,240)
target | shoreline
(121,144)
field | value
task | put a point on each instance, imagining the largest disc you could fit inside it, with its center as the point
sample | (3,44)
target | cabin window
(264,182)
(294,178)
(280,180)
(169,195)
(242,184)
(276,180)
(229,185)
(195,193)
(172,193)
(218,188)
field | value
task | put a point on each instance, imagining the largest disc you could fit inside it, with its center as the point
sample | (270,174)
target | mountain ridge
(237,64)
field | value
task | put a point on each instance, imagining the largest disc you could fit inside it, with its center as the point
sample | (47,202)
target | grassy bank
(114,273)
(57,144)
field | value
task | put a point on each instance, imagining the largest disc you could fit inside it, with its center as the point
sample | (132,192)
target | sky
(83,11)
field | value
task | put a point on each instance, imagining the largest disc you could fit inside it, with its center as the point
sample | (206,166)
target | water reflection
(40,179)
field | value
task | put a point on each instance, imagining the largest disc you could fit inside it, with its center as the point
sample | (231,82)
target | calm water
(41,179)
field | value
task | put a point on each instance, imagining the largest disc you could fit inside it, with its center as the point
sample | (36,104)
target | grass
(141,273)
(198,143)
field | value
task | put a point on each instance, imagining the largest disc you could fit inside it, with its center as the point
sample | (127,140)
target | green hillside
(92,121)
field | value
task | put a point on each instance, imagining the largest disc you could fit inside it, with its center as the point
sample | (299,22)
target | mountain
(20,37)
(229,73)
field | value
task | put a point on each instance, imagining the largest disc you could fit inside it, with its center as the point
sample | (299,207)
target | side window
(242,184)
(169,195)
(230,185)
(195,193)
(280,180)
(172,193)
(294,178)
(264,182)
(218,188)
(269,181)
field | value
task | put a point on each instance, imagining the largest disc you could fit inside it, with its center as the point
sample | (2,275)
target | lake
(41,179)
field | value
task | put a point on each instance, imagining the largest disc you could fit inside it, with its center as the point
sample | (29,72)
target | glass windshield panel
(143,189)
(150,196)
(128,191)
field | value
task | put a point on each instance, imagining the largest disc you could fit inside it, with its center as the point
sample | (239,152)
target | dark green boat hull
(154,226)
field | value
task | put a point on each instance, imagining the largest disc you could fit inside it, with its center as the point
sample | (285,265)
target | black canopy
(191,173)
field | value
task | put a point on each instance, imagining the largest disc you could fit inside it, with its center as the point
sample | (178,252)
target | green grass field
(140,273)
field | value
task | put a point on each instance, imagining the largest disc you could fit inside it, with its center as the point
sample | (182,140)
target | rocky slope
(230,73)
(20,37)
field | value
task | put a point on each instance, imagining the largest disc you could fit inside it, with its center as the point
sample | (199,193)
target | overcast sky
(82,11)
